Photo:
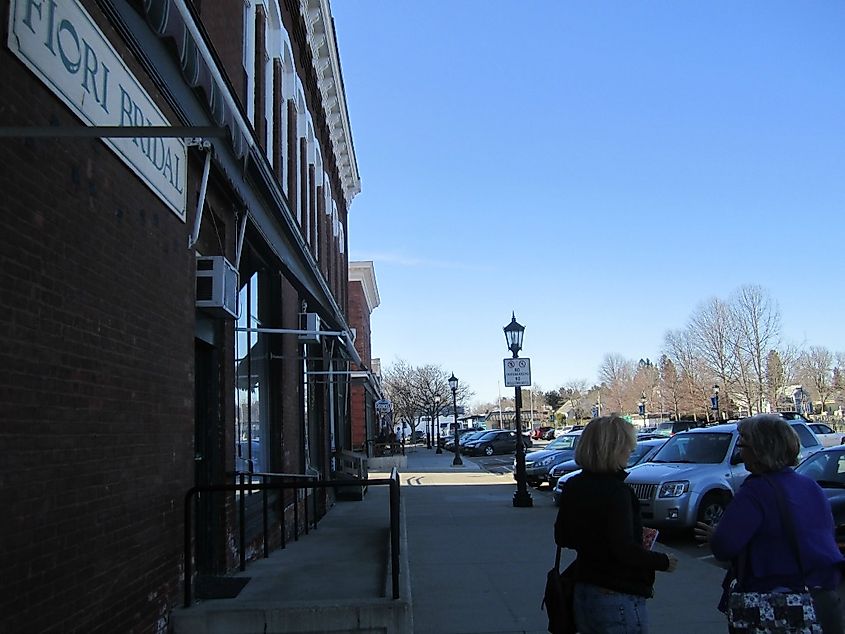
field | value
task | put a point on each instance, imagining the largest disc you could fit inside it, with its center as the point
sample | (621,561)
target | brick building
(363,300)
(175,300)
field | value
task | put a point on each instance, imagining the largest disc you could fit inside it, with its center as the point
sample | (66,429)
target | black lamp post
(453,385)
(521,497)
(715,401)
(437,418)
(642,407)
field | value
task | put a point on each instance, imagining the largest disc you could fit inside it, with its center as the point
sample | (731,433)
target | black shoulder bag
(558,598)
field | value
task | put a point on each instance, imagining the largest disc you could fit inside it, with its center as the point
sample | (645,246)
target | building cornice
(320,34)
(365,272)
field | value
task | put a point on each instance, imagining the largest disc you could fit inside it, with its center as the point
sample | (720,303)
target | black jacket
(599,517)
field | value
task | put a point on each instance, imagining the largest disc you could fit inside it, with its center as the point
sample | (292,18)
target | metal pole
(437,414)
(456,461)
(521,497)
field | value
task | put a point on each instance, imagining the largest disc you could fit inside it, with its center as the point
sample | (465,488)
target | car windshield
(826,467)
(704,448)
(639,452)
(471,436)
(563,442)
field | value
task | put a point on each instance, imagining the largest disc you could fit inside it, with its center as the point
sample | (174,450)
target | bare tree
(711,334)
(817,370)
(422,390)
(617,373)
(757,324)
(670,384)
(399,386)
(694,374)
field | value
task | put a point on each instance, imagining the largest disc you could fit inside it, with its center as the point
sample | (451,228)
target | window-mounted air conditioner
(217,286)
(310,322)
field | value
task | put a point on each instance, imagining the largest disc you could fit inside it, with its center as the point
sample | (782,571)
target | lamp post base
(439,449)
(522,499)
(456,461)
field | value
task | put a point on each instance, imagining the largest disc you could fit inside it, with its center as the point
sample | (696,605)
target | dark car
(449,443)
(827,467)
(491,442)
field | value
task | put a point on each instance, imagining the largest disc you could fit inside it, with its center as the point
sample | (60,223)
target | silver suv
(695,474)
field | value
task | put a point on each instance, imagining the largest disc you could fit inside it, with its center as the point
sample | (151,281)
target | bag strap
(786,519)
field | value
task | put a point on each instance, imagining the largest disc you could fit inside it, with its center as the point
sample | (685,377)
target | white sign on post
(517,372)
(383,406)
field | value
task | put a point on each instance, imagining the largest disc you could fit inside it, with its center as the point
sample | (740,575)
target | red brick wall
(359,318)
(96,369)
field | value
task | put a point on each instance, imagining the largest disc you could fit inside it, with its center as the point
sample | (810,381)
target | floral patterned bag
(772,613)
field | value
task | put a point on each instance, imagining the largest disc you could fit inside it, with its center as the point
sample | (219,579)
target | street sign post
(383,406)
(517,372)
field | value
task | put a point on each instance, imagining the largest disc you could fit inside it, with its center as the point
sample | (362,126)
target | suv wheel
(712,507)
(488,450)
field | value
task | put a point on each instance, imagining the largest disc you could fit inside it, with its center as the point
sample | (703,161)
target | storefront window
(252,380)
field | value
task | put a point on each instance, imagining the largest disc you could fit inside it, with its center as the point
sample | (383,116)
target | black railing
(242,476)
(392,481)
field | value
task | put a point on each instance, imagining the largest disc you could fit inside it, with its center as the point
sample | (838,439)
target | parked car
(672,427)
(449,443)
(695,474)
(642,452)
(491,442)
(538,463)
(793,416)
(568,429)
(826,434)
(827,467)
(541,431)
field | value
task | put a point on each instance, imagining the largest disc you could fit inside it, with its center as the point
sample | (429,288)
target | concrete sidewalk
(477,564)
(471,563)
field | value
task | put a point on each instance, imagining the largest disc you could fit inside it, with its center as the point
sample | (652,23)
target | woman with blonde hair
(599,517)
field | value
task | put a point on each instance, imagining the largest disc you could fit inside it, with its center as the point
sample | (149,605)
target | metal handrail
(265,515)
(392,481)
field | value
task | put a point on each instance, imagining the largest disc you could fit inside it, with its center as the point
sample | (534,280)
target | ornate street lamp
(437,419)
(714,402)
(642,407)
(453,385)
(521,497)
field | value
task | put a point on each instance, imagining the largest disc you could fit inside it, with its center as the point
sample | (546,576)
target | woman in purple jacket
(751,530)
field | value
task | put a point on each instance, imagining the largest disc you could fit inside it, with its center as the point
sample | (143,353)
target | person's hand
(703,531)
(673,563)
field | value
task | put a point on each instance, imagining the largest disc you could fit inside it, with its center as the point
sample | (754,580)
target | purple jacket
(752,521)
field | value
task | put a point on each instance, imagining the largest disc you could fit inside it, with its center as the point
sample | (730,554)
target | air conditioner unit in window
(217,286)
(311,322)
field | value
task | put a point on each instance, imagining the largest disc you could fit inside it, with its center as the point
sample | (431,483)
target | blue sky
(600,168)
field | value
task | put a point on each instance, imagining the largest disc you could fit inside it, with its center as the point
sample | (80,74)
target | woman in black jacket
(599,517)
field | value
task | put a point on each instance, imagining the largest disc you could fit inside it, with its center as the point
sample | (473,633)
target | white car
(827,435)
